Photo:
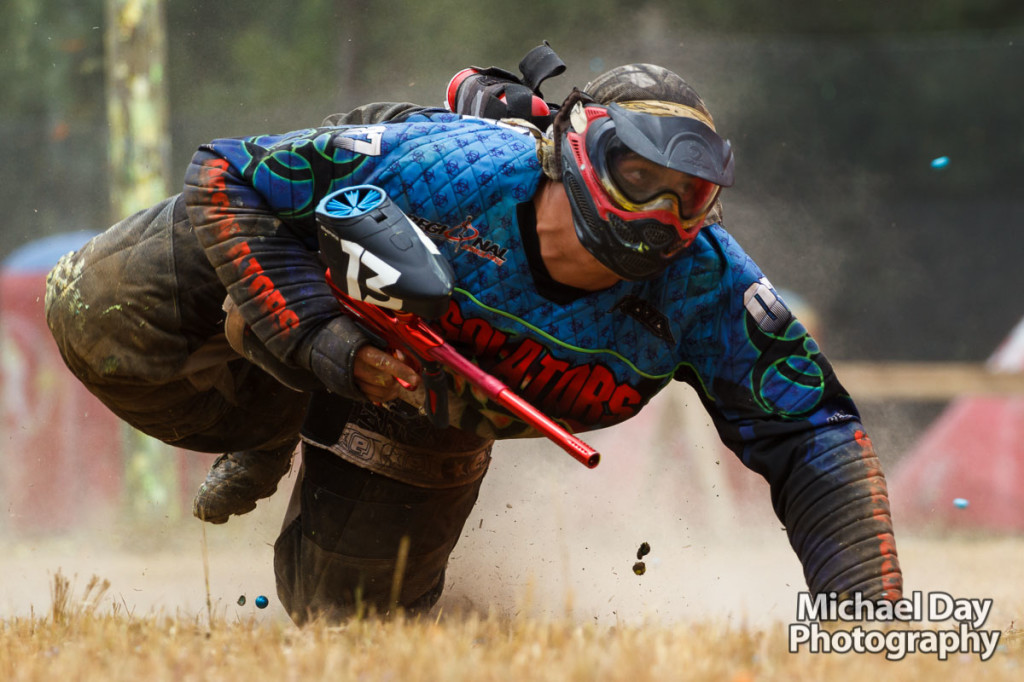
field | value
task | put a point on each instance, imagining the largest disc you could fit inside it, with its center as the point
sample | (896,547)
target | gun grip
(435,386)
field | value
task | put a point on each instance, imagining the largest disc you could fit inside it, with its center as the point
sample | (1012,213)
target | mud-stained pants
(137,315)
(371,476)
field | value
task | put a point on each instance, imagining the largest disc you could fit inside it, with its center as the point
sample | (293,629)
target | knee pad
(339,556)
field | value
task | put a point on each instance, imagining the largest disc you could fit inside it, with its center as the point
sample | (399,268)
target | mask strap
(561,122)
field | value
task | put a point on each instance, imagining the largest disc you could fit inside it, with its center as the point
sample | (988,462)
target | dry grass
(81,638)
(539,588)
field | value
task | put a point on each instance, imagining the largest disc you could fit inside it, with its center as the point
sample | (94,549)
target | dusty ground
(547,537)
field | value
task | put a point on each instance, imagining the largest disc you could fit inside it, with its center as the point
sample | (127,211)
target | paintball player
(591,270)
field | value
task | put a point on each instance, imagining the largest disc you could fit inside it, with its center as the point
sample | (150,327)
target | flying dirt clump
(640,567)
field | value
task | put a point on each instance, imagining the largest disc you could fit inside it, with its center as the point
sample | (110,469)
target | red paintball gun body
(390,278)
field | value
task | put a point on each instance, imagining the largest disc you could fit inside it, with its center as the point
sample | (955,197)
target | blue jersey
(588,359)
(711,318)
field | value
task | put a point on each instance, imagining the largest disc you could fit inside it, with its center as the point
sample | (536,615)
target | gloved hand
(494,94)
(383,377)
(330,353)
(342,356)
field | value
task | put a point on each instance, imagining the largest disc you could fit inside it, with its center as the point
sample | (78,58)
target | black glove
(495,93)
(492,93)
(330,352)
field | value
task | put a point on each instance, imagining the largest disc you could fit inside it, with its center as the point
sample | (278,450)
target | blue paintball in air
(261,602)
(940,163)
(960,503)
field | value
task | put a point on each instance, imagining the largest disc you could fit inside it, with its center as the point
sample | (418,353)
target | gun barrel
(579,450)
(502,394)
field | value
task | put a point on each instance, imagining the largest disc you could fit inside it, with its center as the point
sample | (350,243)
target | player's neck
(564,257)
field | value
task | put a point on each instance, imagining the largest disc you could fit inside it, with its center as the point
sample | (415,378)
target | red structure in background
(62,452)
(967,469)
(61,449)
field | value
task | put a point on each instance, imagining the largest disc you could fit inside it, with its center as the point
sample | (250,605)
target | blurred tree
(136,55)
(139,173)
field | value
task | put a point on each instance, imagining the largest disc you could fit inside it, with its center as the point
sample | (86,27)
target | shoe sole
(243,508)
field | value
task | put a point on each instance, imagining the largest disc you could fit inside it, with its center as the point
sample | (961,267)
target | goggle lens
(639,184)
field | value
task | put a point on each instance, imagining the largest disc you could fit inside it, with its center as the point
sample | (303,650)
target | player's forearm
(276,280)
(835,506)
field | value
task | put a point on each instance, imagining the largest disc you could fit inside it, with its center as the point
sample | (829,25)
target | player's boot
(237,480)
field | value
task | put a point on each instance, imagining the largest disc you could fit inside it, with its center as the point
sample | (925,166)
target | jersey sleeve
(252,204)
(777,403)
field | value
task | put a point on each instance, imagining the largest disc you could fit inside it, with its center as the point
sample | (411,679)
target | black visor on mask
(676,142)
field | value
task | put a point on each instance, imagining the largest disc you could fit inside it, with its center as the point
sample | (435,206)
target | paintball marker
(388,276)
